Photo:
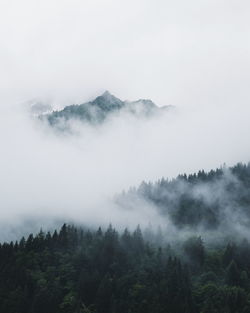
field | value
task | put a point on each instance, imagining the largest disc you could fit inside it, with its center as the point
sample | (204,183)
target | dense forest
(78,270)
(219,199)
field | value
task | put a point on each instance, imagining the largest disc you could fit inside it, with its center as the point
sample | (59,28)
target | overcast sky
(176,52)
(191,54)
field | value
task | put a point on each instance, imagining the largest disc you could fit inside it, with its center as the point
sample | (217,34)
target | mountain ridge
(97,110)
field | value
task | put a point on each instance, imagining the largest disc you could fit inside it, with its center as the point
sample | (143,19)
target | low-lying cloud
(193,55)
(75,176)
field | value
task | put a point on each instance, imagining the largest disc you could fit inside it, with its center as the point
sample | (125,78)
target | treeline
(94,271)
(219,197)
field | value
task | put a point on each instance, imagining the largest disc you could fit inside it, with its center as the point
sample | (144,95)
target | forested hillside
(77,270)
(81,270)
(219,199)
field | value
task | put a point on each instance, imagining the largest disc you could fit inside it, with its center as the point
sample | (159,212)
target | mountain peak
(147,102)
(100,108)
(109,97)
(108,101)
(106,94)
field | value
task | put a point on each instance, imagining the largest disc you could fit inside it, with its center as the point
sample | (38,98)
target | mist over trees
(155,269)
(97,111)
(76,270)
(69,149)
(218,200)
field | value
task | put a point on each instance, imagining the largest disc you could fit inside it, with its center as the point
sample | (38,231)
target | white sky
(192,54)
(175,52)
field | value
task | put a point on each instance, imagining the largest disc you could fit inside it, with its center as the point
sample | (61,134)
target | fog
(175,52)
(192,55)
(74,176)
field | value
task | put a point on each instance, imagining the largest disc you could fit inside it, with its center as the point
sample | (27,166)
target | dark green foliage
(233,274)
(195,252)
(77,270)
(208,200)
(82,271)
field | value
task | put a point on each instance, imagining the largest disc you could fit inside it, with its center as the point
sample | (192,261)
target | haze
(193,55)
(175,52)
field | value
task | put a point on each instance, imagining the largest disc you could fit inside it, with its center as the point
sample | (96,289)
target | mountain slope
(217,200)
(96,111)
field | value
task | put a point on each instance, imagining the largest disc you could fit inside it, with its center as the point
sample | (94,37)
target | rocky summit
(103,106)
